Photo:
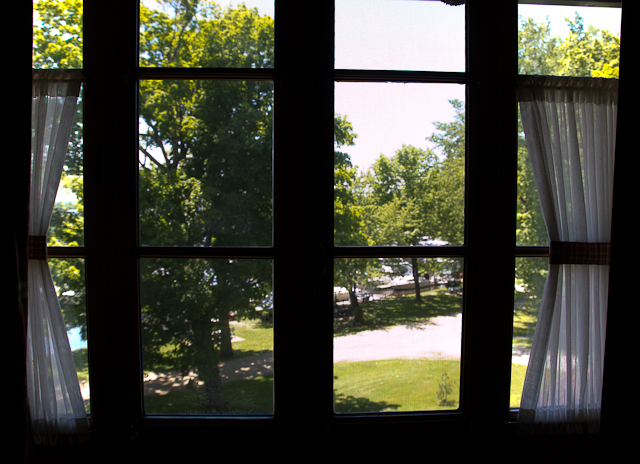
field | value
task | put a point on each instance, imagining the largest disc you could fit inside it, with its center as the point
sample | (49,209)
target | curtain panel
(570,126)
(55,404)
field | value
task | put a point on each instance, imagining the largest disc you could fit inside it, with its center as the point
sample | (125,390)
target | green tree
(205,174)
(399,204)
(588,52)
(348,219)
(447,201)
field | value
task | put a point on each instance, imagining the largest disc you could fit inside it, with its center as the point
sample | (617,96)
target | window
(553,40)
(302,249)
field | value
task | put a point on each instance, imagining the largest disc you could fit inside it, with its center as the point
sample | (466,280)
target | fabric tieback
(580,253)
(37,247)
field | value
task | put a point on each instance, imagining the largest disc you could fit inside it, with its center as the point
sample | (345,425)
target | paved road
(439,338)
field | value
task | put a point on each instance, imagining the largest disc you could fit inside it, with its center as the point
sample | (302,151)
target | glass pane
(57,34)
(69,282)
(207,336)
(399,164)
(236,34)
(393,35)
(574,41)
(67,219)
(397,334)
(531,274)
(206,163)
(531,229)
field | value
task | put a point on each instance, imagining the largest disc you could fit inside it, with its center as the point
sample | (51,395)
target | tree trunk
(206,362)
(226,349)
(416,277)
(216,403)
(358,314)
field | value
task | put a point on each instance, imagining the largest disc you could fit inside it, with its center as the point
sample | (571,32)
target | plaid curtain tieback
(37,247)
(580,253)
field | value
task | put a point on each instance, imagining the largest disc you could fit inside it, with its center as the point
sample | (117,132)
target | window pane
(399,164)
(396,344)
(574,41)
(67,219)
(207,336)
(207,35)
(69,281)
(206,163)
(393,35)
(57,34)
(531,274)
(531,229)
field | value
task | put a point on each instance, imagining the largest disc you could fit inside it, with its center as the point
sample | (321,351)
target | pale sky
(386,116)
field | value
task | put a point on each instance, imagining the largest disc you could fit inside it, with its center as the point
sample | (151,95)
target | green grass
(524,325)
(81,360)
(254,396)
(394,385)
(402,311)
(257,335)
(518,372)
(401,385)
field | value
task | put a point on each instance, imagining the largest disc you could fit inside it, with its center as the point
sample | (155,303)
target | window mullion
(491,148)
(303,170)
(110,36)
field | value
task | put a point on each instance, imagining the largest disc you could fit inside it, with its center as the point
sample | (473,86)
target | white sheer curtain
(55,403)
(570,126)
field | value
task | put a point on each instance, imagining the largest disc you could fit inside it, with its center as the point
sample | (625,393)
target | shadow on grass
(525,318)
(246,397)
(350,404)
(402,311)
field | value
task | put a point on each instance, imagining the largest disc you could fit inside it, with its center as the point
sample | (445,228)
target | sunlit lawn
(525,317)
(257,337)
(395,385)
(400,385)
(518,372)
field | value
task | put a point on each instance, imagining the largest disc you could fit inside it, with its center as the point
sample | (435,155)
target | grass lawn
(254,396)
(400,385)
(246,397)
(403,310)
(394,385)
(518,372)
(257,337)
(81,360)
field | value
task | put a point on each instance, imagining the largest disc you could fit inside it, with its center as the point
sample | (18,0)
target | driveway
(439,338)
